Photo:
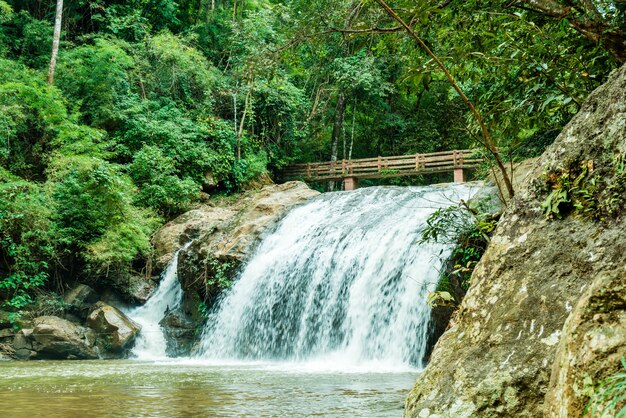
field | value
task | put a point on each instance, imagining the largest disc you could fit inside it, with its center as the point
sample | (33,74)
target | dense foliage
(157,102)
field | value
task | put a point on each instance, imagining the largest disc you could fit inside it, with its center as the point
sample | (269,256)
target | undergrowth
(468,231)
(609,399)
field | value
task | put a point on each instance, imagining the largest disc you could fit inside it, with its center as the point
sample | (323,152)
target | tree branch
(369,30)
(489,142)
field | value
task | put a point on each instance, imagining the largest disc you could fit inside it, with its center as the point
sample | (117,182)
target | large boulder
(497,359)
(56,338)
(116,331)
(193,223)
(23,344)
(593,343)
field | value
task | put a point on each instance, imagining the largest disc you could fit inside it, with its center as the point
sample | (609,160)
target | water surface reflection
(186,389)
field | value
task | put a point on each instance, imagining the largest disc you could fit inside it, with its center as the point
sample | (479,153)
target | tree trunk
(235,109)
(340,112)
(352,131)
(243,117)
(55,41)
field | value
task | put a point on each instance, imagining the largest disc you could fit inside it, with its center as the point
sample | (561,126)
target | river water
(189,388)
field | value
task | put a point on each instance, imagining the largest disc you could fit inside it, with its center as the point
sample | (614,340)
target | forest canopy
(156,103)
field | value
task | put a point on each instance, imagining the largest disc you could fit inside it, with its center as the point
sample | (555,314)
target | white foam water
(340,284)
(151,344)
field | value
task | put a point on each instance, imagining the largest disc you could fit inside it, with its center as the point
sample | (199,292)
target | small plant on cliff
(586,191)
(468,231)
(217,276)
(610,397)
(441,298)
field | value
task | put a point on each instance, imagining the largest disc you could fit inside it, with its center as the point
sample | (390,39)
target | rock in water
(180,333)
(55,338)
(116,331)
(498,357)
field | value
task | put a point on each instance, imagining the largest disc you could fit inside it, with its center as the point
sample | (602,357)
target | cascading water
(341,280)
(151,343)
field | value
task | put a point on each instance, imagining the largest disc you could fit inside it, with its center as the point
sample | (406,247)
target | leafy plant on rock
(468,232)
(610,397)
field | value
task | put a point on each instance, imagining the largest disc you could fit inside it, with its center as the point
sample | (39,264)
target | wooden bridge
(350,171)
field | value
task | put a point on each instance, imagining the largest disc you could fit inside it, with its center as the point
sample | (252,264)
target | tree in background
(600,21)
(55,41)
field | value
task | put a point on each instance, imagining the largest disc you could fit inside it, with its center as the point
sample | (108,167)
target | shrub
(93,77)
(159,187)
(31,115)
(26,244)
(468,232)
(94,214)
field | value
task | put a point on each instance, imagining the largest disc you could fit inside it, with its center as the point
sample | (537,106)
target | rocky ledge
(223,234)
(545,317)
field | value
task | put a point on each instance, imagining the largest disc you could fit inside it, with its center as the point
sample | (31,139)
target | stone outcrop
(116,332)
(238,227)
(79,299)
(55,338)
(193,223)
(224,232)
(592,345)
(544,303)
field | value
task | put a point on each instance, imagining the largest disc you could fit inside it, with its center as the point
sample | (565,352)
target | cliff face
(544,308)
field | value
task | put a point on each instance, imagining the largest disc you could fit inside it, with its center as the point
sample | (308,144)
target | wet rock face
(116,332)
(180,333)
(509,343)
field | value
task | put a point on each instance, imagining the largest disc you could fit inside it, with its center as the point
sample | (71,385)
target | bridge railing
(377,167)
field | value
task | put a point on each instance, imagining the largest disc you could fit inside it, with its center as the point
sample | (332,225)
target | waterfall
(342,279)
(151,343)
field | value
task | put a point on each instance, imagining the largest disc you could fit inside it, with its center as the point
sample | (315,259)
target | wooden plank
(395,170)
(400,165)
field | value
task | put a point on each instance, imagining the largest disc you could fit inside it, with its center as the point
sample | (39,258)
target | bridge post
(350,183)
(459,175)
